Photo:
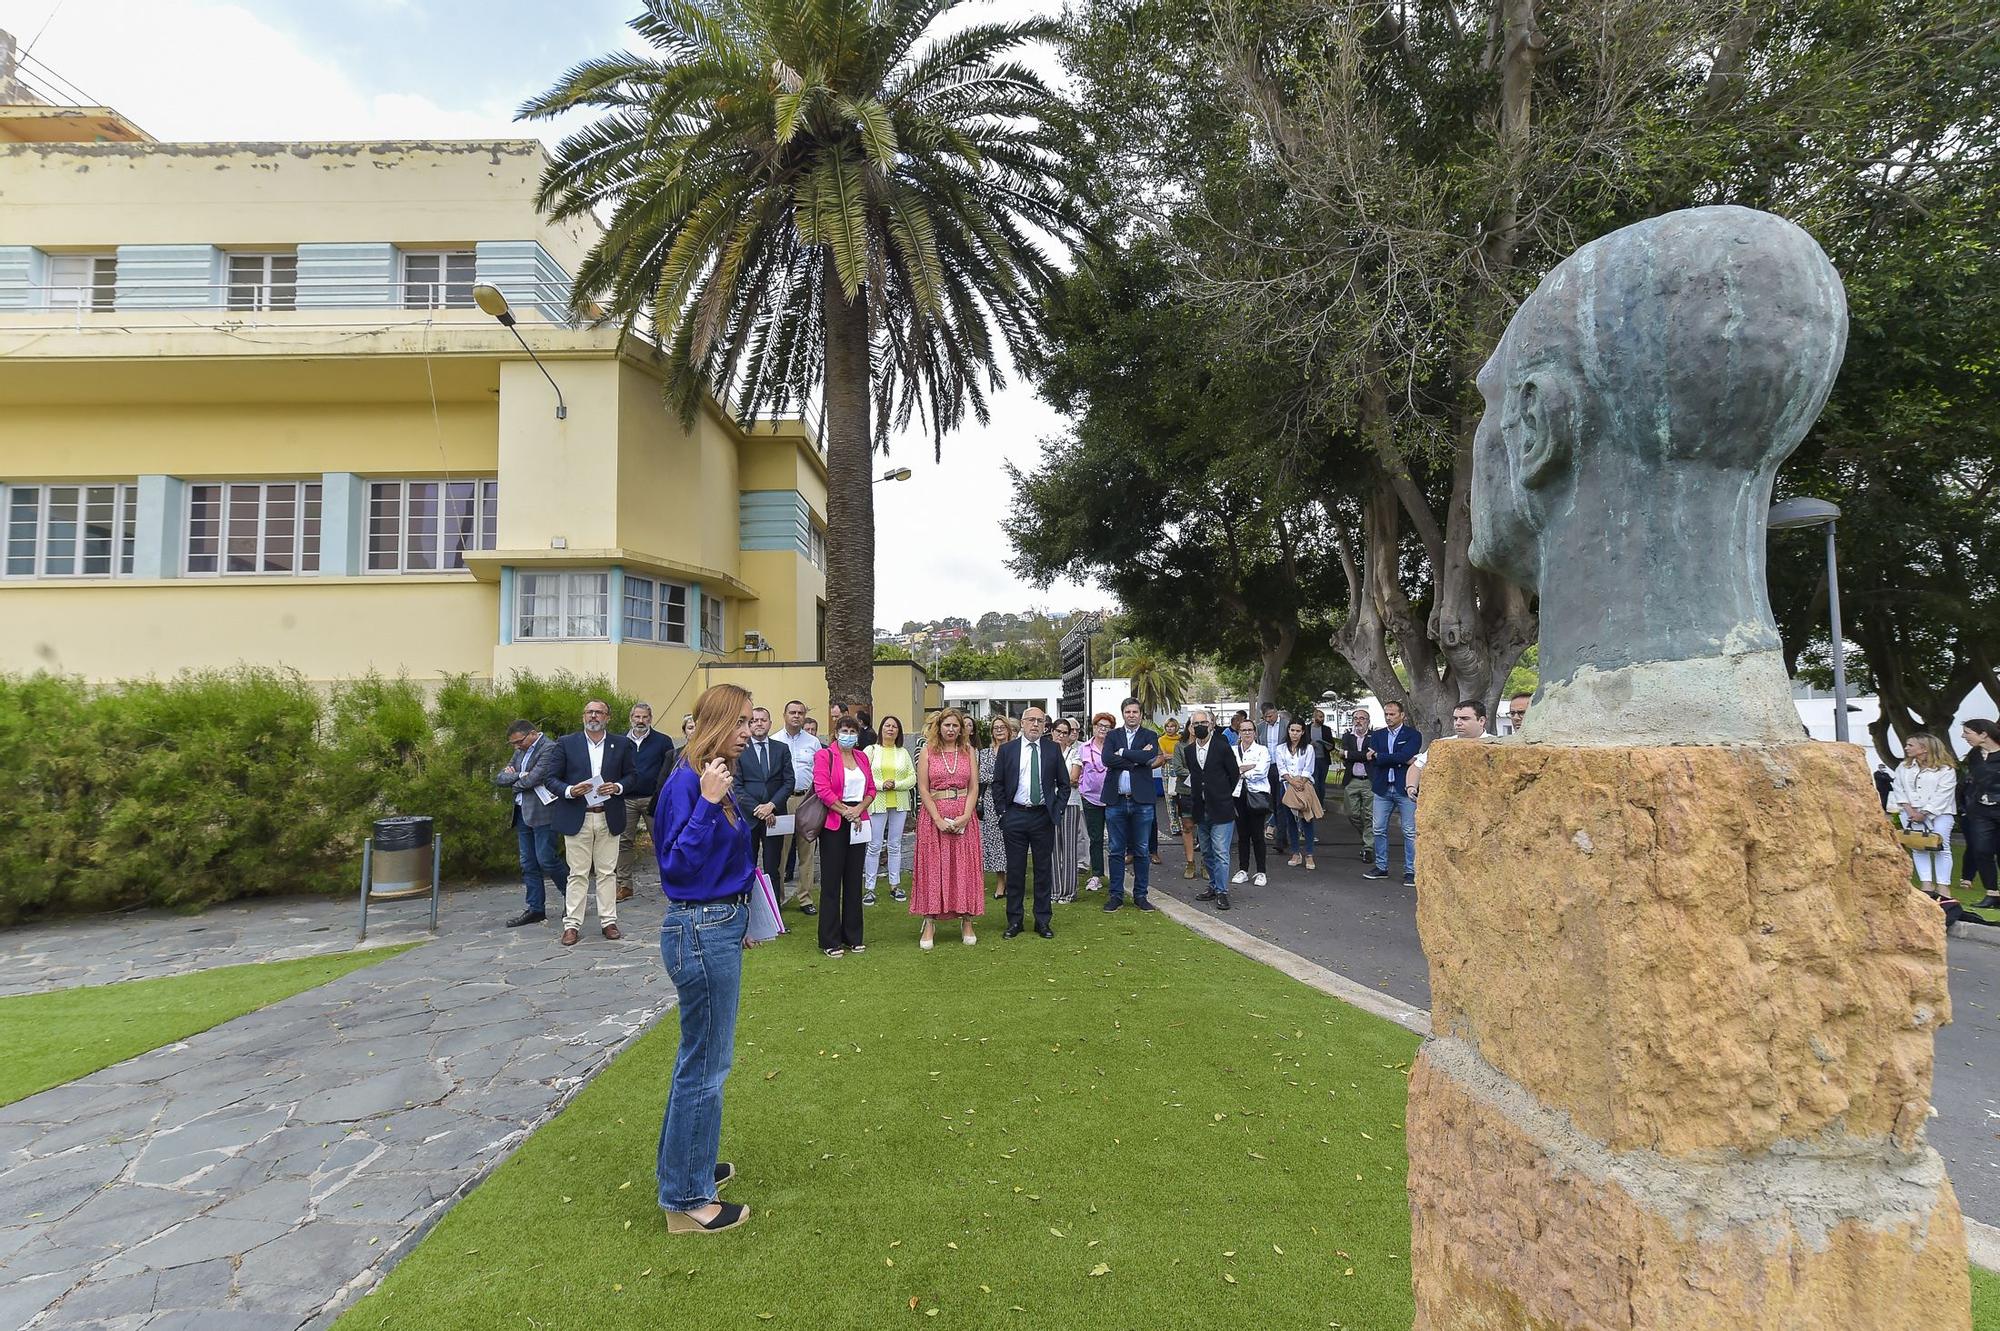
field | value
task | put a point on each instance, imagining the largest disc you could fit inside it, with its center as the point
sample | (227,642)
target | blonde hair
(1936,755)
(716,713)
(934,730)
(1003,721)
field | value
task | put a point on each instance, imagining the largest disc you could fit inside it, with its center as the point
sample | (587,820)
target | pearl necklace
(949,761)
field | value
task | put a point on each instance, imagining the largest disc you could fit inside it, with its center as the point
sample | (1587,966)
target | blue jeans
(703,948)
(1128,826)
(1295,831)
(540,858)
(1406,806)
(1214,840)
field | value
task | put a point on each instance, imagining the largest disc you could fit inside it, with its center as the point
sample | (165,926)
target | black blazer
(1351,749)
(1007,776)
(1139,762)
(1211,786)
(758,783)
(573,765)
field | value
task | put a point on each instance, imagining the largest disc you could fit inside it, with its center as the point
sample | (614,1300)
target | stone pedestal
(1684,1001)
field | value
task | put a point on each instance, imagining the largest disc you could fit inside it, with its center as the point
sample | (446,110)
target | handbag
(1920,838)
(1260,800)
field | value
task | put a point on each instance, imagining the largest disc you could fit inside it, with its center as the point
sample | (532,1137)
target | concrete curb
(1982,1241)
(1305,972)
(1986,935)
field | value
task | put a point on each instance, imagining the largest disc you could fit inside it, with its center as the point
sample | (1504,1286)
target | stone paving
(265,1173)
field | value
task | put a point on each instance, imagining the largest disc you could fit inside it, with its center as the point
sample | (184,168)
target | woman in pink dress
(948,882)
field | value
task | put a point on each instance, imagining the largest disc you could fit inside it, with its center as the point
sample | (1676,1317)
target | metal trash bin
(400,862)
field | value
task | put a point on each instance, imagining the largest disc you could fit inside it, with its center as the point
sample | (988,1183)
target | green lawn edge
(57,1036)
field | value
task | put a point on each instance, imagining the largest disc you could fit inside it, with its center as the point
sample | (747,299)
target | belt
(735,899)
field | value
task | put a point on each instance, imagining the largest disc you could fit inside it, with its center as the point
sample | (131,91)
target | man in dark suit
(534,827)
(1030,788)
(591,769)
(763,789)
(1357,797)
(652,757)
(1388,753)
(1131,752)
(1210,784)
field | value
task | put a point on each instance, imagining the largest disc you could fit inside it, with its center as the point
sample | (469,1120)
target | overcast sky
(357,69)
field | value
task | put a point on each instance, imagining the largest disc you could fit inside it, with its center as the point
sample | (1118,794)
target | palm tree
(821,200)
(1160,684)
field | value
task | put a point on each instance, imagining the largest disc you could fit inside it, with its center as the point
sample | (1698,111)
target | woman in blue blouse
(703,842)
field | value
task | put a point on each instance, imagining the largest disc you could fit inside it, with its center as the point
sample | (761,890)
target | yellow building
(250,413)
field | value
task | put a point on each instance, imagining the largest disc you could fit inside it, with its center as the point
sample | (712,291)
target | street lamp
(894,474)
(1786,515)
(490,299)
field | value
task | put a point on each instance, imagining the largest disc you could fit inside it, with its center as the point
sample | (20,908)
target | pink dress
(948,879)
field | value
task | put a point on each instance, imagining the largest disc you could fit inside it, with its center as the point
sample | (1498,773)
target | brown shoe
(570,937)
(611,932)
(625,892)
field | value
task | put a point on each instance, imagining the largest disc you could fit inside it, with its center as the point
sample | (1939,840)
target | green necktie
(1034,773)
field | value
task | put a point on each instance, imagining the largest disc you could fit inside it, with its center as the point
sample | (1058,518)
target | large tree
(826,202)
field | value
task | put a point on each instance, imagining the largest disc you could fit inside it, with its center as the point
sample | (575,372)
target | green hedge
(248,782)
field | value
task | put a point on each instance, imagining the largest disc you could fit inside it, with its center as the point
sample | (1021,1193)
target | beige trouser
(636,812)
(807,811)
(591,852)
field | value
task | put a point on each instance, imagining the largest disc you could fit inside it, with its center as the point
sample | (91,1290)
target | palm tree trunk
(850,499)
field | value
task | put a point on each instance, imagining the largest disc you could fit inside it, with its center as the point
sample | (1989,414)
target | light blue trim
(616,615)
(774,520)
(348,276)
(506,604)
(527,276)
(159,527)
(343,513)
(169,277)
(23,274)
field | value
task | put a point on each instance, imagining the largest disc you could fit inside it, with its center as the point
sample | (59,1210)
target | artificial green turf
(1126,1127)
(51,1038)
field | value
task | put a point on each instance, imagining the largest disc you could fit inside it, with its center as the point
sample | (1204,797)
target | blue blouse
(702,854)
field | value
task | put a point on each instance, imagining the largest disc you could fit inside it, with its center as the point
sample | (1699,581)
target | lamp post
(490,299)
(1786,515)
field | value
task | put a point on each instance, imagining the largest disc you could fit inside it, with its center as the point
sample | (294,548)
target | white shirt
(855,787)
(1259,775)
(1303,763)
(1933,790)
(1021,792)
(803,747)
(595,748)
(1272,733)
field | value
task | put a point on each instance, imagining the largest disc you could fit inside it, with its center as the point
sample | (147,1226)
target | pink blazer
(830,782)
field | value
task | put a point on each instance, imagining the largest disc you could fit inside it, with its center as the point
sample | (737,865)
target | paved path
(264,1173)
(1367,931)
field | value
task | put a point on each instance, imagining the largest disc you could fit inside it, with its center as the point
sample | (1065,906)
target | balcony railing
(156,303)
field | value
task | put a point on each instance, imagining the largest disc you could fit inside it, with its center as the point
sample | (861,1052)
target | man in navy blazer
(652,757)
(1388,753)
(588,780)
(763,789)
(1131,752)
(1027,824)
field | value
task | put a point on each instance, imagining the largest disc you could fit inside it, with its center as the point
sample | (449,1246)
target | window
(83,281)
(263,281)
(254,527)
(656,611)
(711,623)
(440,280)
(816,548)
(553,606)
(70,531)
(427,526)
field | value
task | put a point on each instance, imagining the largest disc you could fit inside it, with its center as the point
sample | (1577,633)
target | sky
(359,69)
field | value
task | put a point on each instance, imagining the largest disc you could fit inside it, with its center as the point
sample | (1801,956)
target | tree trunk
(850,498)
(1275,651)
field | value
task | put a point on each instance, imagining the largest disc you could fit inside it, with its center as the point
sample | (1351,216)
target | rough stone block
(1521,1223)
(1686,948)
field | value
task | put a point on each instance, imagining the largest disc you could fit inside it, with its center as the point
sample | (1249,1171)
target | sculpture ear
(1540,428)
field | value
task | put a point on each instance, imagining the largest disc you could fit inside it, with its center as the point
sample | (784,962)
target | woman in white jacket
(1924,794)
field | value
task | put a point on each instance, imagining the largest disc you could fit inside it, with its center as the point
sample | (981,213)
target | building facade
(250,413)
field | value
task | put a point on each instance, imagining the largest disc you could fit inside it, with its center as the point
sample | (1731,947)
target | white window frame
(302,545)
(573,590)
(442,292)
(268,288)
(711,636)
(445,558)
(81,281)
(816,544)
(666,602)
(124,501)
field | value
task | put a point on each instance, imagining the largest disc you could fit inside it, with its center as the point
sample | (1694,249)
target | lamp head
(1787,514)
(896,474)
(489,299)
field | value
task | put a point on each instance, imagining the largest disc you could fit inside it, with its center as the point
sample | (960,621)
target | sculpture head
(1637,409)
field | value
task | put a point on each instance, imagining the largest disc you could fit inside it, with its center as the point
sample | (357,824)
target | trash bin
(401,861)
